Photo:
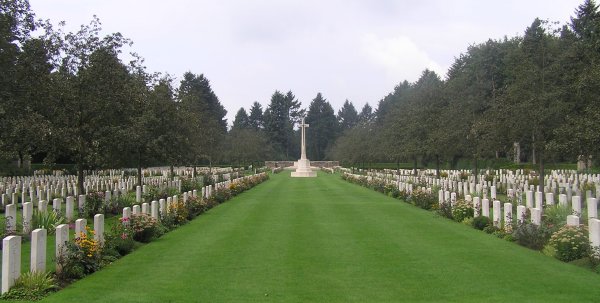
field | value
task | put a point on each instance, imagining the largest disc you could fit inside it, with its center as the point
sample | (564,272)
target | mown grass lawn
(325,240)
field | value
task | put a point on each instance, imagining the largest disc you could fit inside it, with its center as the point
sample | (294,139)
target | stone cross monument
(303,165)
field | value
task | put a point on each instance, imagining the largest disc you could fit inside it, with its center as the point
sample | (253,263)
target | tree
(280,116)
(92,93)
(247,145)
(347,117)
(366,115)
(529,99)
(475,83)
(356,146)
(256,118)
(242,121)
(206,116)
(16,24)
(30,101)
(323,127)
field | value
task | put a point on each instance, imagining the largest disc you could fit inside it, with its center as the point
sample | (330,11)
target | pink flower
(124,236)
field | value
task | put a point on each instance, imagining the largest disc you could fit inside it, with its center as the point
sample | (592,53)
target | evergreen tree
(347,116)
(242,120)
(280,116)
(366,115)
(256,118)
(322,130)
(206,115)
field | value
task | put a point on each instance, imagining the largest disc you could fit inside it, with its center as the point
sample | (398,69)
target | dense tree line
(69,97)
(539,91)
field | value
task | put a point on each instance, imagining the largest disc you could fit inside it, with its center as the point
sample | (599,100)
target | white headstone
(521,213)
(549,199)
(154,210)
(539,200)
(136,210)
(576,205)
(497,213)
(592,207)
(507,216)
(81,201)
(476,206)
(69,208)
(27,216)
(485,208)
(529,199)
(10,213)
(99,228)
(38,250)
(126,216)
(11,261)
(562,200)
(138,194)
(572,220)
(536,216)
(80,225)
(62,237)
(163,207)
(594,232)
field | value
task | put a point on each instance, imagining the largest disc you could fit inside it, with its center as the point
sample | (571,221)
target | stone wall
(274,164)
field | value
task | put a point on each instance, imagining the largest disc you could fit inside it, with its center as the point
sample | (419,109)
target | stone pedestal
(303,169)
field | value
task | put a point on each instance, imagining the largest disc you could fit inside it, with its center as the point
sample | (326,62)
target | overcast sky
(352,49)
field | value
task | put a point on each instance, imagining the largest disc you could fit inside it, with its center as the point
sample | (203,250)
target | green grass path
(325,240)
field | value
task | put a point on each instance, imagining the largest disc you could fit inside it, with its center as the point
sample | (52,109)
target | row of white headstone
(503,213)
(11,249)
(11,252)
(23,192)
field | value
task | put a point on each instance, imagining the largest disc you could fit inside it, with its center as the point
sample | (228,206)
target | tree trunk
(475,169)
(415,165)
(139,168)
(437,166)
(172,173)
(195,171)
(541,179)
(533,149)
(80,179)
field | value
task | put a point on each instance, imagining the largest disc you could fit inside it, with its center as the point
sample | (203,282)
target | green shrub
(93,205)
(80,257)
(144,227)
(222,195)
(490,229)
(120,238)
(533,181)
(571,243)
(462,210)
(531,235)
(31,286)
(556,215)
(47,219)
(188,184)
(445,210)
(481,222)
(423,199)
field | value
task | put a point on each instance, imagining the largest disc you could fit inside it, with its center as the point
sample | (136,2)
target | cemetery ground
(325,240)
